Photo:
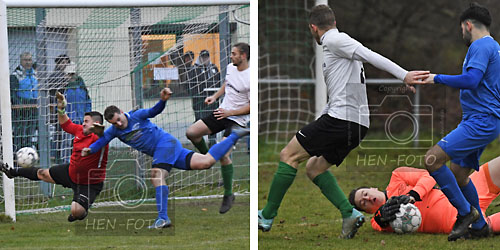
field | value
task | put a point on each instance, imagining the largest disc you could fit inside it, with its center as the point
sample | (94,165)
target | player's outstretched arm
(109,134)
(468,80)
(165,94)
(211,99)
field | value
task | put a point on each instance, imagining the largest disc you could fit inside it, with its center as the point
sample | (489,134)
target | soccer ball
(26,157)
(407,220)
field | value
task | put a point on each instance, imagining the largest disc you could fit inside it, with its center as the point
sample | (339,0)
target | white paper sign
(166,74)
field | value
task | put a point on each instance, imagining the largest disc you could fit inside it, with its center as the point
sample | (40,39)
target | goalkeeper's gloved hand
(61,101)
(387,212)
(404,199)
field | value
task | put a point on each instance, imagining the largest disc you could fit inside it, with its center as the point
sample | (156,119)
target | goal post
(118,53)
(5,108)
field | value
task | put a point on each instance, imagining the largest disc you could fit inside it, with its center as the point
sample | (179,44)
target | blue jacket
(78,100)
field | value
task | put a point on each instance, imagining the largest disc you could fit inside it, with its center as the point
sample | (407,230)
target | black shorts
(331,138)
(82,194)
(216,126)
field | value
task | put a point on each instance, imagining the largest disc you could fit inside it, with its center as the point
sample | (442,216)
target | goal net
(120,56)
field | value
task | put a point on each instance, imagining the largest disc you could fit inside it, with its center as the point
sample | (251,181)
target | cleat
(5,169)
(239,131)
(265,224)
(351,225)
(227,203)
(480,233)
(71,218)
(160,223)
(460,229)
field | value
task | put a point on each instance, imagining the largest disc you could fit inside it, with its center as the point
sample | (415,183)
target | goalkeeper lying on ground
(416,185)
(85,175)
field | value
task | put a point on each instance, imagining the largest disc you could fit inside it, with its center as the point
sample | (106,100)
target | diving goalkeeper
(85,175)
(416,185)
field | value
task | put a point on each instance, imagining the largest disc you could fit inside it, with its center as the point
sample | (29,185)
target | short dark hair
(478,13)
(352,194)
(110,111)
(61,57)
(96,116)
(322,16)
(244,48)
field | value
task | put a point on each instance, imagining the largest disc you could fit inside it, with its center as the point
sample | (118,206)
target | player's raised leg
(217,151)
(195,134)
(290,158)
(317,171)
(32,173)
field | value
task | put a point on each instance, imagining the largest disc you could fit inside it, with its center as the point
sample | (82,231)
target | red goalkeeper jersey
(90,169)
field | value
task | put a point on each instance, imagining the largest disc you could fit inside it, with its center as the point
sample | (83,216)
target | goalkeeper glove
(61,102)
(387,212)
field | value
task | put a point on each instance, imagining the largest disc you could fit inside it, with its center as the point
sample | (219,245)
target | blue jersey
(484,55)
(140,133)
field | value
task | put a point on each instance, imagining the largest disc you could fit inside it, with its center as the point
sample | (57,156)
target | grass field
(197,225)
(307,220)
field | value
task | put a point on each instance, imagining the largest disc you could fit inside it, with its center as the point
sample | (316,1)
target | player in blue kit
(136,130)
(479,86)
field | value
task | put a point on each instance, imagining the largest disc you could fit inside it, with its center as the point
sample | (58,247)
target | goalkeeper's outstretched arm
(61,108)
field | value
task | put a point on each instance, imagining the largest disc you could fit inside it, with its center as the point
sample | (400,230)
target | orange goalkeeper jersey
(438,215)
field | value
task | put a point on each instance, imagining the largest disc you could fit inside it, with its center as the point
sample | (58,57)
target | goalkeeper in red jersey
(85,175)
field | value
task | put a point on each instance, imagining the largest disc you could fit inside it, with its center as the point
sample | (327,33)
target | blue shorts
(170,154)
(466,143)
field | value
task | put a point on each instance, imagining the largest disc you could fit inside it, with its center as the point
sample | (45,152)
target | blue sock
(446,180)
(162,201)
(220,149)
(470,194)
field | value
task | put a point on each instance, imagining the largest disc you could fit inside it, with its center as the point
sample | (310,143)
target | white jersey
(237,93)
(345,76)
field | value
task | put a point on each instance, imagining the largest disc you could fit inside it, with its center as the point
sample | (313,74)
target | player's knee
(431,161)
(43,174)
(225,160)
(191,133)
(78,211)
(158,173)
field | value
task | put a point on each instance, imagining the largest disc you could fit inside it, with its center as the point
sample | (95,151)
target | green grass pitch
(197,225)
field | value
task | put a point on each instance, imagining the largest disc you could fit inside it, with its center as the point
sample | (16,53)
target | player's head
(240,53)
(475,17)
(26,60)
(321,18)
(116,117)
(89,119)
(367,199)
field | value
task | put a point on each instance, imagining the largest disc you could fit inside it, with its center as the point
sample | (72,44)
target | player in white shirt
(344,123)
(234,110)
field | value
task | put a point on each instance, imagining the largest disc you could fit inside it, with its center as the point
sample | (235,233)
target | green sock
(201,146)
(227,178)
(282,180)
(329,187)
